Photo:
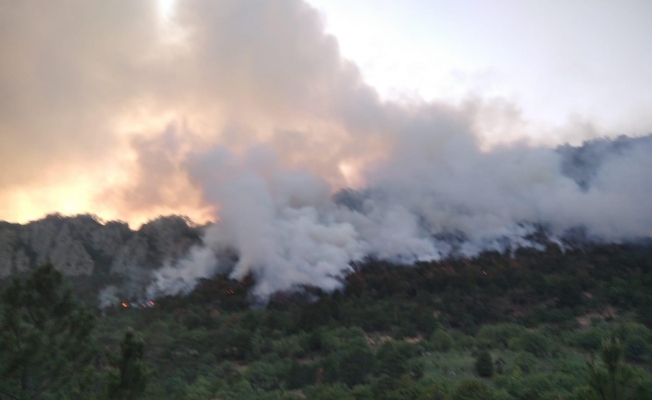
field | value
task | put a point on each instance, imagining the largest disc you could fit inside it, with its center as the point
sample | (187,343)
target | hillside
(397,332)
(391,332)
(83,245)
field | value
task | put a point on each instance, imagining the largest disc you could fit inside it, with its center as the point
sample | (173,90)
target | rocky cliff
(83,245)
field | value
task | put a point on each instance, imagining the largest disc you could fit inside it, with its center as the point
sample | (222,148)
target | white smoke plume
(266,124)
(288,230)
(181,277)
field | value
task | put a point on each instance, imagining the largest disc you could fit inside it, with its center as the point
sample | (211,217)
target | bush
(392,358)
(329,392)
(637,350)
(590,339)
(532,342)
(299,376)
(498,336)
(462,341)
(526,362)
(484,365)
(263,375)
(472,389)
(441,341)
(354,365)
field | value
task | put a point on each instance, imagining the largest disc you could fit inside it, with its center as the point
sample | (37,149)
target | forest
(554,324)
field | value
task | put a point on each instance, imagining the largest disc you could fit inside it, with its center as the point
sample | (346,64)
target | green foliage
(330,392)
(526,362)
(392,358)
(498,336)
(264,376)
(472,389)
(354,364)
(441,341)
(128,378)
(637,350)
(462,341)
(45,342)
(395,333)
(637,343)
(613,380)
(589,339)
(532,342)
(298,375)
(484,365)
(201,389)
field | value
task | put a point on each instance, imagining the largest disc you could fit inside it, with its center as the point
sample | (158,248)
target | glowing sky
(103,105)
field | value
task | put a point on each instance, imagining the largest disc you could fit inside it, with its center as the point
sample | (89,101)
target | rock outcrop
(83,245)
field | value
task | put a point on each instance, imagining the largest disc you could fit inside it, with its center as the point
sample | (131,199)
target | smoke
(108,297)
(287,229)
(244,112)
(181,277)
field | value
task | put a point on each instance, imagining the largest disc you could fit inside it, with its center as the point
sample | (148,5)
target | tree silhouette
(45,343)
(128,379)
(615,380)
(484,366)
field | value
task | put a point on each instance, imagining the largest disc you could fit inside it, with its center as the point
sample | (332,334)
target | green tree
(471,389)
(392,361)
(201,389)
(355,364)
(484,365)
(45,343)
(615,380)
(526,362)
(128,378)
(298,375)
(329,392)
(441,341)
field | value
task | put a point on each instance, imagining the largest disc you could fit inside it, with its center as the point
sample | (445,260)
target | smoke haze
(244,112)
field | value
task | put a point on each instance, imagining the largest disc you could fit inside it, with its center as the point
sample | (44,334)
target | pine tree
(45,343)
(614,380)
(128,379)
(484,366)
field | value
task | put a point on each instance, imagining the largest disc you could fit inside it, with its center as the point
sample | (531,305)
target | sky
(559,61)
(130,110)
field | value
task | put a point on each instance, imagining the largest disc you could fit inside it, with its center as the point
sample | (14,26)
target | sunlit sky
(558,60)
(104,104)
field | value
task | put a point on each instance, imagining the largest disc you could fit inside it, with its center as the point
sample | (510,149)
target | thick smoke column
(180,278)
(288,230)
(274,135)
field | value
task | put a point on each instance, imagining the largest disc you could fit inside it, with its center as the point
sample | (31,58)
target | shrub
(472,389)
(484,365)
(532,342)
(462,341)
(637,350)
(526,362)
(441,341)
(392,359)
(497,336)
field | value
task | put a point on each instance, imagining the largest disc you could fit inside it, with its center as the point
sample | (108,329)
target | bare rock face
(69,255)
(83,245)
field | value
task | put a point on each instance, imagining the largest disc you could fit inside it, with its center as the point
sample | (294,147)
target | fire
(125,304)
(151,303)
